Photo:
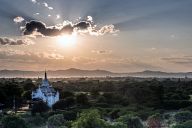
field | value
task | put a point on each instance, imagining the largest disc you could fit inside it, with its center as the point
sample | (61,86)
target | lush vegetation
(99,103)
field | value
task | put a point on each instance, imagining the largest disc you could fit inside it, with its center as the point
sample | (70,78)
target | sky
(115,35)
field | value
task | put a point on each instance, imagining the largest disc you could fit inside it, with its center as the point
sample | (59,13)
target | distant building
(46,92)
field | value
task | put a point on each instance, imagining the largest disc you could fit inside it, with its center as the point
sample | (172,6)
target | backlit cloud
(18,19)
(81,27)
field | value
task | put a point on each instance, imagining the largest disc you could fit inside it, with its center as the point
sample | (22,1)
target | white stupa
(46,92)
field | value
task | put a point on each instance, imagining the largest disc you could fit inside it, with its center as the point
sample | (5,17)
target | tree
(95,93)
(82,99)
(187,124)
(154,121)
(28,85)
(39,107)
(66,94)
(183,116)
(64,103)
(131,122)
(26,95)
(13,121)
(89,119)
(56,121)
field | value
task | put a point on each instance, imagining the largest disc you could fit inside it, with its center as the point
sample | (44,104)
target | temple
(46,92)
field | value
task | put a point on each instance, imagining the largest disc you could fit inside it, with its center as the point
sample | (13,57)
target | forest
(98,103)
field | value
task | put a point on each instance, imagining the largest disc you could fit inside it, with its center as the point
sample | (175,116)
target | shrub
(131,122)
(56,121)
(187,124)
(117,125)
(82,99)
(70,115)
(39,107)
(66,94)
(13,122)
(36,121)
(183,116)
(154,121)
(64,103)
(89,119)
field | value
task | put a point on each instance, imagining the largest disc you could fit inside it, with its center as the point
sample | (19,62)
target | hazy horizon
(117,36)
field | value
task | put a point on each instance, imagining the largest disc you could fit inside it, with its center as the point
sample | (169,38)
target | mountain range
(73,72)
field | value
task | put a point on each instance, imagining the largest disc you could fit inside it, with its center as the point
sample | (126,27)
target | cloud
(37,13)
(58,16)
(9,41)
(102,51)
(34,1)
(44,4)
(18,19)
(179,60)
(47,6)
(81,27)
(28,55)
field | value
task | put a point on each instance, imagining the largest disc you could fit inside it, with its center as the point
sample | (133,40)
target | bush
(176,104)
(89,119)
(39,107)
(70,115)
(82,99)
(183,116)
(154,121)
(36,121)
(187,124)
(13,122)
(64,103)
(66,94)
(102,105)
(117,125)
(131,122)
(56,121)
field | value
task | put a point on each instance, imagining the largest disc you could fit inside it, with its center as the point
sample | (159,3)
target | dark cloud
(83,25)
(9,41)
(39,28)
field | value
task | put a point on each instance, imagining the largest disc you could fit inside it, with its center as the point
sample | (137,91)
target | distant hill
(73,72)
(148,73)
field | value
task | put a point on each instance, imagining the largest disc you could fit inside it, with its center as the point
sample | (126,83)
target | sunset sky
(115,35)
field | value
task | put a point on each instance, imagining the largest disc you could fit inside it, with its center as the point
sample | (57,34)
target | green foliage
(154,121)
(187,124)
(183,116)
(39,107)
(66,94)
(89,119)
(13,121)
(28,85)
(64,103)
(70,115)
(131,122)
(117,125)
(35,120)
(56,121)
(94,93)
(26,95)
(82,99)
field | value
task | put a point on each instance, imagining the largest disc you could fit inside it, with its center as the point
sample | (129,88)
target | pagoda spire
(45,75)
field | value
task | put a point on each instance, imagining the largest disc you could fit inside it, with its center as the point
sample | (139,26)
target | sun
(67,40)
